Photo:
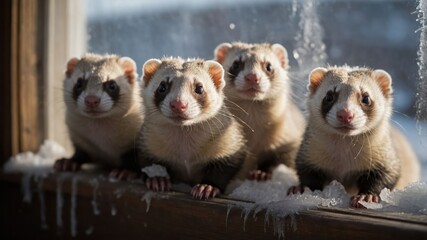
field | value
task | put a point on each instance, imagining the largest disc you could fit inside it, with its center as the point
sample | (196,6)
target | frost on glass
(422,64)
(310,49)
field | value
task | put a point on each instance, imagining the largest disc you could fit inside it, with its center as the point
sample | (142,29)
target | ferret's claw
(122,174)
(158,184)
(355,200)
(296,190)
(259,175)
(204,191)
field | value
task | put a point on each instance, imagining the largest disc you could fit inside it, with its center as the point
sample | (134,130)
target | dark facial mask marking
(112,89)
(79,87)
(329,101)
(161,92)
(236,68)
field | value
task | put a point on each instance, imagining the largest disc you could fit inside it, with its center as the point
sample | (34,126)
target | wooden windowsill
(124,212)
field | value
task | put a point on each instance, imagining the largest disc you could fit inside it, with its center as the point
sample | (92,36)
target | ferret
(103,113)
(187,127)
(258,92)
(349,137)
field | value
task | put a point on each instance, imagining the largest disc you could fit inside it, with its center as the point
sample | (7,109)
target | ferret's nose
(178,106)
(345,116)
(252,78)
(92,101)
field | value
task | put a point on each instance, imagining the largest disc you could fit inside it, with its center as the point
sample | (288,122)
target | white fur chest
(180,147)
(262,130)
(340,156)
(104,139)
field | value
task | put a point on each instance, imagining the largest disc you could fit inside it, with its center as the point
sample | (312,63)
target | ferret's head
(349,101)
(98,86)
(182,92)
(254,71)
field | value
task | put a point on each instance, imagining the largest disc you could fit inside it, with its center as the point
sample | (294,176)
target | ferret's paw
(354,201)
(204,191)
(123,174)
(158,184)
(296,189)
(259,175)
(66,164)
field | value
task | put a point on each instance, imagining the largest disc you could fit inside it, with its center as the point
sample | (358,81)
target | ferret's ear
(149,69)
(221,52)
(129,67)
(281,53)
(315,78)
(383,79)
(217,74)
(70,66)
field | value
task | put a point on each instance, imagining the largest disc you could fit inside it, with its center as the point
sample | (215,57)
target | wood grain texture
(26,80)
(30,74)
(177,216)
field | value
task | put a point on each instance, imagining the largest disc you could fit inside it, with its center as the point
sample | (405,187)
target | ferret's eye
(79,84)
(236,65)
(366,100)
(329,97)
(268,67)
(112,86)
(199,89)
(162,87)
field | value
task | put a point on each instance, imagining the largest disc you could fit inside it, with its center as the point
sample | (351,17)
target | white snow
(59,201)
(155,170)
(26,188)
(95,184)
(42,205)
(272,197)
(147,198)
(412,199)
(39,164)
(274,190)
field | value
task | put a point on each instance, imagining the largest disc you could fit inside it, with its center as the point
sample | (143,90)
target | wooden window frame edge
(177,214)
(66,38)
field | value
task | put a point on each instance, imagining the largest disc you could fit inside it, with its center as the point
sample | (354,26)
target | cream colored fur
(210,134)
(374,142)
(274,123)
(107,136)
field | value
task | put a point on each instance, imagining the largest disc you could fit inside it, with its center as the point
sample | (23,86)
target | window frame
(23,113)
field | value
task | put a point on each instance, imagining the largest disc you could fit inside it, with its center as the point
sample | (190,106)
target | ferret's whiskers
(400,126)
(237,105)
